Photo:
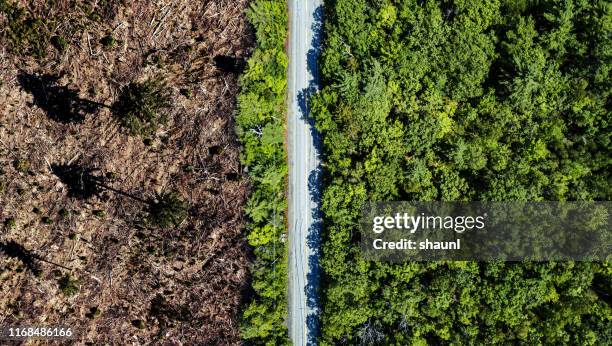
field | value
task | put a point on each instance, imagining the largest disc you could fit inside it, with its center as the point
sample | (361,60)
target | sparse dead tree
(370,334)
(164,210)
(139,107)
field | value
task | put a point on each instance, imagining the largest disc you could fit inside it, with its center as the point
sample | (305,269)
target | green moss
(63,213)
(95,16)
(187,93)
(157,60)
(112,176)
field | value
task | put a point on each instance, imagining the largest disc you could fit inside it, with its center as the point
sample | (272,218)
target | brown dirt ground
(199,269)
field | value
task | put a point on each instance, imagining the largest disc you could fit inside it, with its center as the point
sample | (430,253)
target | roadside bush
(260,128)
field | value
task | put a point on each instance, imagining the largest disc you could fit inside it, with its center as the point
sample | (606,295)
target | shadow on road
(314,242)
(314,182)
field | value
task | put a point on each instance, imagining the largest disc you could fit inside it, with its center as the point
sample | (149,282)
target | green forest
(480,100)
(260,127)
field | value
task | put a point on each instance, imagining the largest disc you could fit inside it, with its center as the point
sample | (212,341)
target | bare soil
(135,285)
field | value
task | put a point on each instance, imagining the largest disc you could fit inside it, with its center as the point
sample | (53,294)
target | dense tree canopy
(463,100)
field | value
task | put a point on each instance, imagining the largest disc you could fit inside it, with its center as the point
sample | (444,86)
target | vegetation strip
(260,127)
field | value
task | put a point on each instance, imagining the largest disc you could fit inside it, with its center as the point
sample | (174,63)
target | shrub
(99,213)
(140,106)
(64,213)
(21,166)
(93,312)
(60,43)
(69,285)
(138,324)
(10,223)
(24,33)
(168,209)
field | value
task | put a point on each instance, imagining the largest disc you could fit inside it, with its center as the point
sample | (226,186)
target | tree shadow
(229,64)
(59,102)
(312,60)
(314,240)
(163,210)
(314,236)
(81,182)
(14,250)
